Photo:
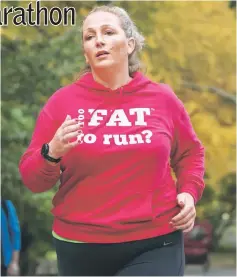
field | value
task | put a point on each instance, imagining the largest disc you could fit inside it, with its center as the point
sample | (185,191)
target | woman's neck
(111,79)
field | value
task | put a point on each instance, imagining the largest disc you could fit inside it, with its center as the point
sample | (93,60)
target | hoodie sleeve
(37,174)
(187,156)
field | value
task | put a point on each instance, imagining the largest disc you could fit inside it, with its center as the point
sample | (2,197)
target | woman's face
(104,41)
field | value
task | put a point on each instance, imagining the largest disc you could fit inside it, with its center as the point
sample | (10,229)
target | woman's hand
(65,137)
(185,219)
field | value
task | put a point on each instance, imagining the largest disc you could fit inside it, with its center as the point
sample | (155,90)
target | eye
(88,37)
(109,32)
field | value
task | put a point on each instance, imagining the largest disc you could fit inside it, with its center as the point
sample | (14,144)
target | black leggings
(160,256)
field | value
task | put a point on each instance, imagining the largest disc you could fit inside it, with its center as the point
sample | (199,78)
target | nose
(99,41)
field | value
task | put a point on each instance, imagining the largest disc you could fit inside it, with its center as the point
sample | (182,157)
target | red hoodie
(117,186)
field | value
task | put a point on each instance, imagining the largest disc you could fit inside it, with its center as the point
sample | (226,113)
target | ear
(131,45)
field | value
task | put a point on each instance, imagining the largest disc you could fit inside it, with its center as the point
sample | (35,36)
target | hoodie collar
(138,81)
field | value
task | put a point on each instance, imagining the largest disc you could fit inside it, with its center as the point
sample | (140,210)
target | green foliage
(219,206)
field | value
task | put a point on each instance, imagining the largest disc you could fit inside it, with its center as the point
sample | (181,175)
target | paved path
(193,270)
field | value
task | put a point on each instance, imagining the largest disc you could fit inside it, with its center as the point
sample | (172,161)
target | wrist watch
(45,152)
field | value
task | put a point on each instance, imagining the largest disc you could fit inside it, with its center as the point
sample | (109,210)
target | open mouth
(101,54)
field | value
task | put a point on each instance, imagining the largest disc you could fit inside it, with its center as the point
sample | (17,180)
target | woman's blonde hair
(130,30)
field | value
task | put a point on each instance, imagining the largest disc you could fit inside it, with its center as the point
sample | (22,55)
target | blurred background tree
(195,54)
(232,4)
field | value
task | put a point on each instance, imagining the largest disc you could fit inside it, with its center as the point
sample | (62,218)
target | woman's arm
(14,226)
(13,268)
(38,174)
(187,156)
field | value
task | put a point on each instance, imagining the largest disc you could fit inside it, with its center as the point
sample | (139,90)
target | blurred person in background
(111,137)
(10,239)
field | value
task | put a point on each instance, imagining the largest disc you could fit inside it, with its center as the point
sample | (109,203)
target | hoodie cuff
(193,190)
(44,165)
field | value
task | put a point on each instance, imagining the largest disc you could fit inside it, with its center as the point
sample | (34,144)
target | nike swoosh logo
(167,243)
